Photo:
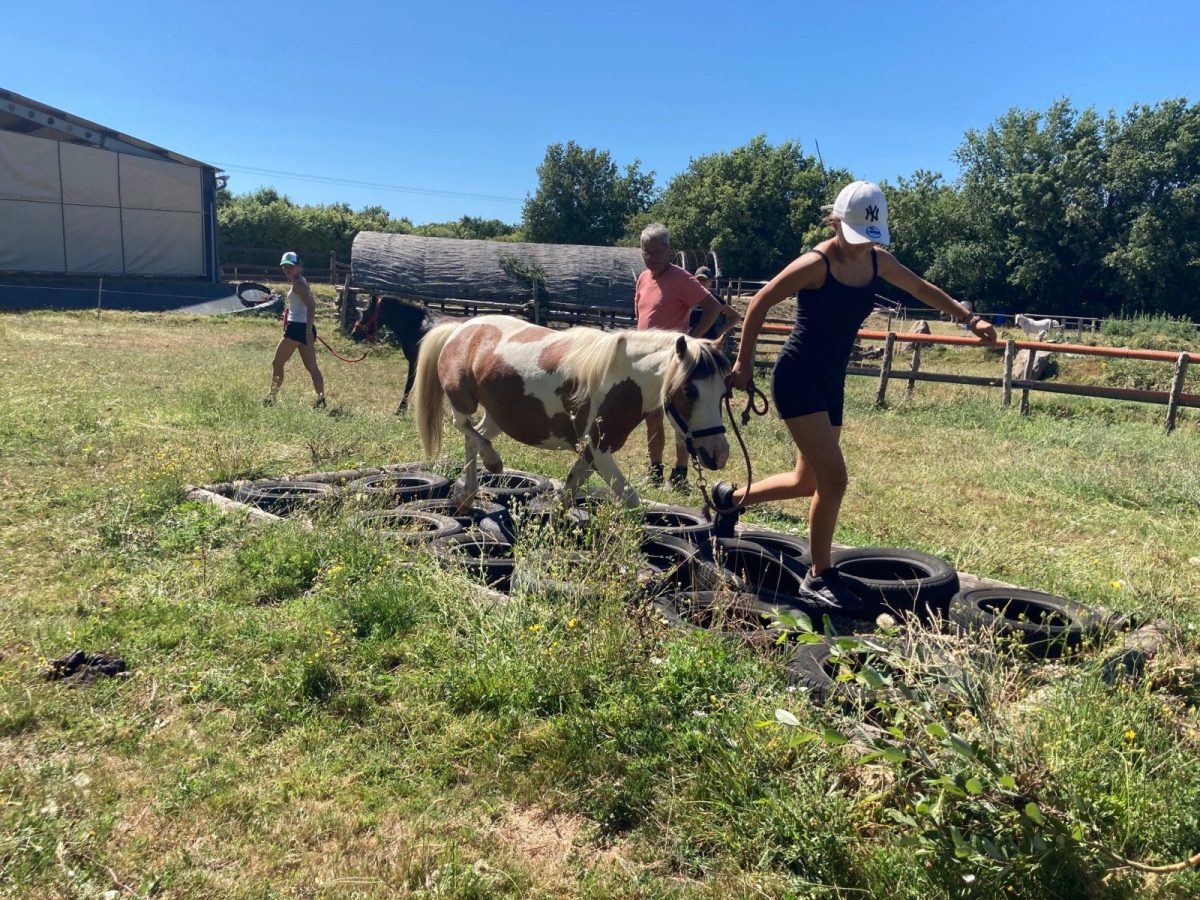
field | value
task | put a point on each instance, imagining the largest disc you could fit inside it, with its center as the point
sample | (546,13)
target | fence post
(885,370)
(348,309)
(1010,353)
(1029,363)
(99,295)
(1181,365)
(333,267)
(916,367)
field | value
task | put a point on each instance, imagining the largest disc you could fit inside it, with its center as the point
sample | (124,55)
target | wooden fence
(775,332)
(332,272)
(1173,398)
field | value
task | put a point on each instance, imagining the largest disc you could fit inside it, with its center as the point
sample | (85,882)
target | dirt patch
(83,668)
(549,842)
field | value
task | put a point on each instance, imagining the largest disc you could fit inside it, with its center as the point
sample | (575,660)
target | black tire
(401,487)
(528,578)
(407,526)
(678,521)
(789,546)
(509,488)
(674,565)
(491,519)
(547,511)
(284,497)
(1047,625)
(592,498)
(812,666)
(734,616)
(775,579)
(888,579)
(471,545)
(485,559)
(246,291)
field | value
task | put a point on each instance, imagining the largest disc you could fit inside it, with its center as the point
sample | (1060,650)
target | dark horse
(407,324)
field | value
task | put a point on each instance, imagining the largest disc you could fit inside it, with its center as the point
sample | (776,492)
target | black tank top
(827,322)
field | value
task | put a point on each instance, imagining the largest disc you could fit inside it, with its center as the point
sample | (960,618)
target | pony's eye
(691,391)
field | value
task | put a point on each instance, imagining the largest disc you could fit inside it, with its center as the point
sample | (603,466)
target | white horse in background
(1037,327)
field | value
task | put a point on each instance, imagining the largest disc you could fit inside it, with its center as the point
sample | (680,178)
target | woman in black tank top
(834,289)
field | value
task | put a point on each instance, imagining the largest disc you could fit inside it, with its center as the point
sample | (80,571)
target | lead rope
(344,359)
(756,404)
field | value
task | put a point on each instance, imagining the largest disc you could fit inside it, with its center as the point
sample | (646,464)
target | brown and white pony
(579,389)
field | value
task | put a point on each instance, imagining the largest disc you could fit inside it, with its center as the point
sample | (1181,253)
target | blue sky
(463,98)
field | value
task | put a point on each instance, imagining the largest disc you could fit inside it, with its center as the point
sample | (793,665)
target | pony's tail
(427,389)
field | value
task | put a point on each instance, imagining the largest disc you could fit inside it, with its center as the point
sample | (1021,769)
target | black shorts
(799,391)
(298,332)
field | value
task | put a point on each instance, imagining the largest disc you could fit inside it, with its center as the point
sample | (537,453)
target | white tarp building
(78,198)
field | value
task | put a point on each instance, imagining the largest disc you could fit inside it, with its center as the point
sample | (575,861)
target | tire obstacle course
(744,588)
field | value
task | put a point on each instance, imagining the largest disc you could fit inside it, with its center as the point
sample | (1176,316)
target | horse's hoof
(495,467)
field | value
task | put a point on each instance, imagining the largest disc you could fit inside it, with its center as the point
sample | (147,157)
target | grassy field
(312,714)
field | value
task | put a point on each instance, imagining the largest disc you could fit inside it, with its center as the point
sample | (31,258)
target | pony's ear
(681,347)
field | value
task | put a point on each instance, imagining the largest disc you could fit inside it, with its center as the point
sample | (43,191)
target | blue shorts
(799,391)
(298,332)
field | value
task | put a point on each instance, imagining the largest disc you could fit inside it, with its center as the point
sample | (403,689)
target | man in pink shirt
(664,298)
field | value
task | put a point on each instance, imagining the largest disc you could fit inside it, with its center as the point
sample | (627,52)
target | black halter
(689,436)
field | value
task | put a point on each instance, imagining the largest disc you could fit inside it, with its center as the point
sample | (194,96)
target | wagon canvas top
(495,271)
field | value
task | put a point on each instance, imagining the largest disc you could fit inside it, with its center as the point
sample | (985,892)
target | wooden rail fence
(775,331)
(1173,398)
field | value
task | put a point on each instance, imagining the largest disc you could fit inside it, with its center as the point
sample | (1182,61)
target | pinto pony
(407,324)
(1037,327)
(579,389)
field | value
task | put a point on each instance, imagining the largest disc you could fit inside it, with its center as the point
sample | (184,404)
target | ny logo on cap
(872,213)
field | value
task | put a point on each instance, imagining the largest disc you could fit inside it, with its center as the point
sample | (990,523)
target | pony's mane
(594,355)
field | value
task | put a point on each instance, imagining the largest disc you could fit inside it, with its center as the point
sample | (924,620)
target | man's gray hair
(656,231)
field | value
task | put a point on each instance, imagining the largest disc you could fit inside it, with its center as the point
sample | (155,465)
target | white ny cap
(862,210)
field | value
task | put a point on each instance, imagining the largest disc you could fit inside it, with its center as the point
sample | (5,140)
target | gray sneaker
(829,590)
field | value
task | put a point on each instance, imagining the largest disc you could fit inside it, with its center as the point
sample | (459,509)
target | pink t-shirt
(666,301)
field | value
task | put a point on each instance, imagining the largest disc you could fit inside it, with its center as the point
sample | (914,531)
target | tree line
(1055,210)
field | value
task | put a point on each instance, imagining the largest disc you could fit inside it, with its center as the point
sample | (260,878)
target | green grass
(311,713)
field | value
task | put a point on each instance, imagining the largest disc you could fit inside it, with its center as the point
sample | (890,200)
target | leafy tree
(755,205)
(582,198)
(1032,200)
(254,227)
(471,228)
(1154,196)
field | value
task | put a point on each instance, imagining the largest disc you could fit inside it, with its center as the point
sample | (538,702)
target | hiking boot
(725,511)
(319,403)
(679,478)
(829,590)
(655,473)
